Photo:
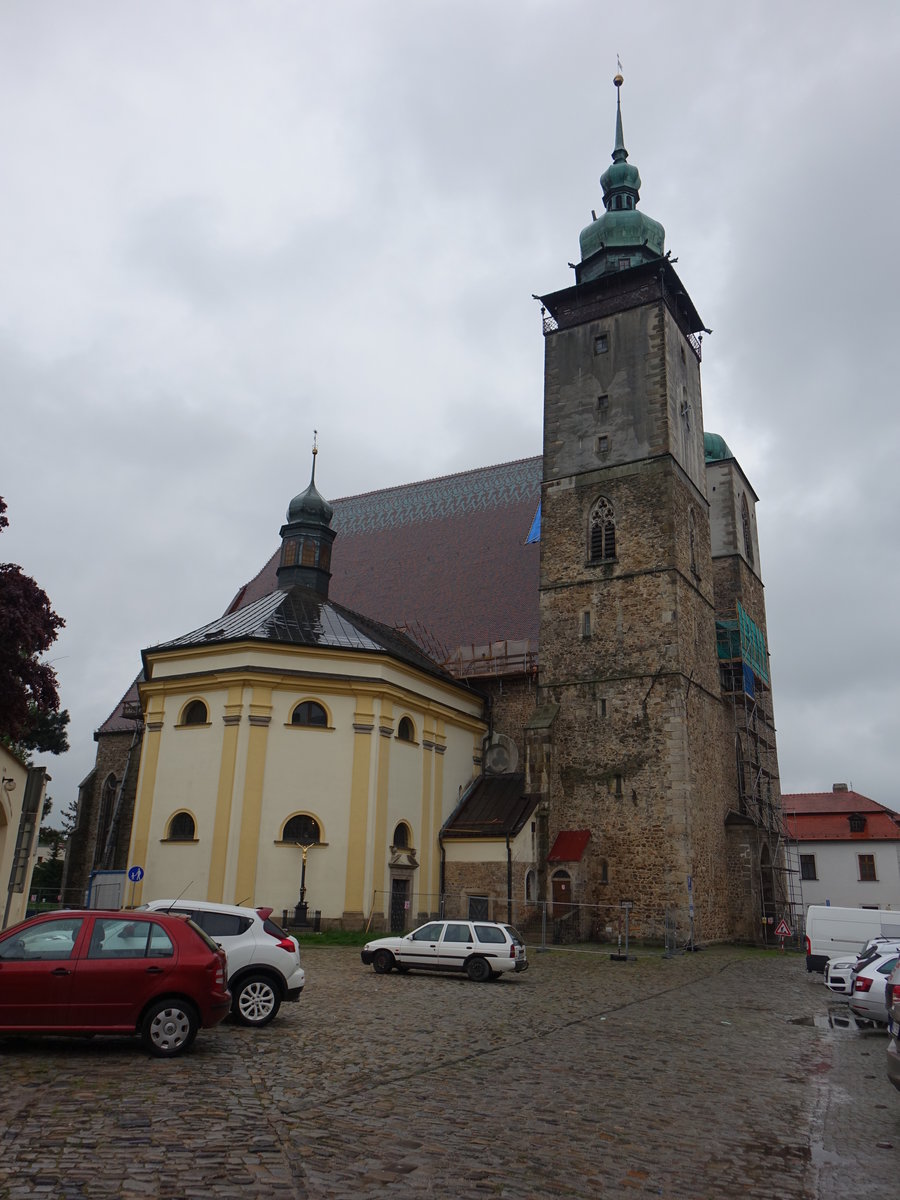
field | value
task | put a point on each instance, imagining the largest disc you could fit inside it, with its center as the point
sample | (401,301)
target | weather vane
(315,441)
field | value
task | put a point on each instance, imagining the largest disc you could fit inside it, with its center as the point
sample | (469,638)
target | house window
(602,547)
(857,823)
(308,712)
(601,343)
(603,404)
(603,707)
(401,837)
(181,828)
(301,830)
(808,866)
(406,731)
(604,871)
(603,444)
(867,868)
(586,624)
(195,714)
(617,784)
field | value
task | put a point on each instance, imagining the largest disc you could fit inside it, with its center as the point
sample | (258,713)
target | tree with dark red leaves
(30,718)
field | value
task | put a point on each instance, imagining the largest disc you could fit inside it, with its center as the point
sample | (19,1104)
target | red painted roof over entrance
(569,845)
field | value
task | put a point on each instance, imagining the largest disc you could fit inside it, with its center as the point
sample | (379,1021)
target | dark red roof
(569,845)
(445,559)
(825,817)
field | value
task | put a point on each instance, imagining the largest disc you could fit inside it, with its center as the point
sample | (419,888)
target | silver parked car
(867,999)
(481,949)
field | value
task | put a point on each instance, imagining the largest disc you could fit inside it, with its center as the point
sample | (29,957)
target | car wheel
(255,1001)
(478,970)
(382,961)
(168,1027)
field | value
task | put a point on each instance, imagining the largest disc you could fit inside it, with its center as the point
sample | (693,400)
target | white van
(842,932)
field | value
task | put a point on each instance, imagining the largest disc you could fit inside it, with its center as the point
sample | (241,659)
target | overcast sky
(224,223)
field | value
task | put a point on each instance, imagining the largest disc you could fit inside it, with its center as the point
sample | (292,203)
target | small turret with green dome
(622,237)
(306,539)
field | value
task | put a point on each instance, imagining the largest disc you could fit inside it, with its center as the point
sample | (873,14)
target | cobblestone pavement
(707,1075)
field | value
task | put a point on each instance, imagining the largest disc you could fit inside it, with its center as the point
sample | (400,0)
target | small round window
(308,712)
(182,828)
(195,714)
(303,830)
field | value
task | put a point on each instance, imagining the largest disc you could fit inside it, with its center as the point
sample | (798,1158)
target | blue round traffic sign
(135,874)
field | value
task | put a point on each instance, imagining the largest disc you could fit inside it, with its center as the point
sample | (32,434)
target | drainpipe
(442,875)
(508,881)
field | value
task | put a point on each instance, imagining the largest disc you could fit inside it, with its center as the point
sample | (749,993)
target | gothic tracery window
(602,546)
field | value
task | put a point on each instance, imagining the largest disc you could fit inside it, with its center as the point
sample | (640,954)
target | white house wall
(838,880)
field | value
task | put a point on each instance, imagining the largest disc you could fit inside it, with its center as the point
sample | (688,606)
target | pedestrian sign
(782,929)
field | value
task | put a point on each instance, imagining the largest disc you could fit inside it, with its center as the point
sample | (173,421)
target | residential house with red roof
(846,848)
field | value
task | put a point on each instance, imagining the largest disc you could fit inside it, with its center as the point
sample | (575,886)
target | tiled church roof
(443,559)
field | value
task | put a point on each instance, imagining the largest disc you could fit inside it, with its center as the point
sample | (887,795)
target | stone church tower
(631,746)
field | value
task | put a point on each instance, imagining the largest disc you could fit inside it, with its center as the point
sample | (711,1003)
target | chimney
(839,787)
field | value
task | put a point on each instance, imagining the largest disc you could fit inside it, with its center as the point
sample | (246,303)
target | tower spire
(622,237)
(307,536)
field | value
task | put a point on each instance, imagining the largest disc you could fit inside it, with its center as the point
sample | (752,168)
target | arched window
(401,836)
(308,712)
(104,817)
(181,828)
(602,546)
(531,887)
(196,713)
(745,526)
(406,731)
(302,830)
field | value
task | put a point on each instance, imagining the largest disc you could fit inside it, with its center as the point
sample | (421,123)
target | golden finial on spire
(618,78)
(315,441)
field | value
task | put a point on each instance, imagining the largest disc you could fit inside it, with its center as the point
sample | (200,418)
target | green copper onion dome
(622,237)
(310,505)
(715,448)
(306,539)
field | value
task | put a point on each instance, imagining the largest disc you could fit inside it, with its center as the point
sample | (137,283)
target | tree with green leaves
(30,716)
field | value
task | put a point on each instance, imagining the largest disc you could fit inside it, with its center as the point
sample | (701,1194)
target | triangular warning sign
(781,929)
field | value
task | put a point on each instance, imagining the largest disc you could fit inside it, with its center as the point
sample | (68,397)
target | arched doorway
(561,884)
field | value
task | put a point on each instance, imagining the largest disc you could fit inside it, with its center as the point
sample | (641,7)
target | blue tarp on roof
(534,533)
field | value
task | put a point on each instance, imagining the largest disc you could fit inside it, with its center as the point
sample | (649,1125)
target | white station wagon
(483,949)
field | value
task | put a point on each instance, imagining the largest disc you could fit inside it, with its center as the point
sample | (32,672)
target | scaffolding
(745,682)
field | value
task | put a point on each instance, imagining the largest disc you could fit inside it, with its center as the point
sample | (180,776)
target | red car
(89,971)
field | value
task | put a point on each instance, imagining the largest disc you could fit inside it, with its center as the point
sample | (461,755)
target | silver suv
(263,961)
(482,949)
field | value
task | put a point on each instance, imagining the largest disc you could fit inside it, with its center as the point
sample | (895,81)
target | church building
(542,685)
